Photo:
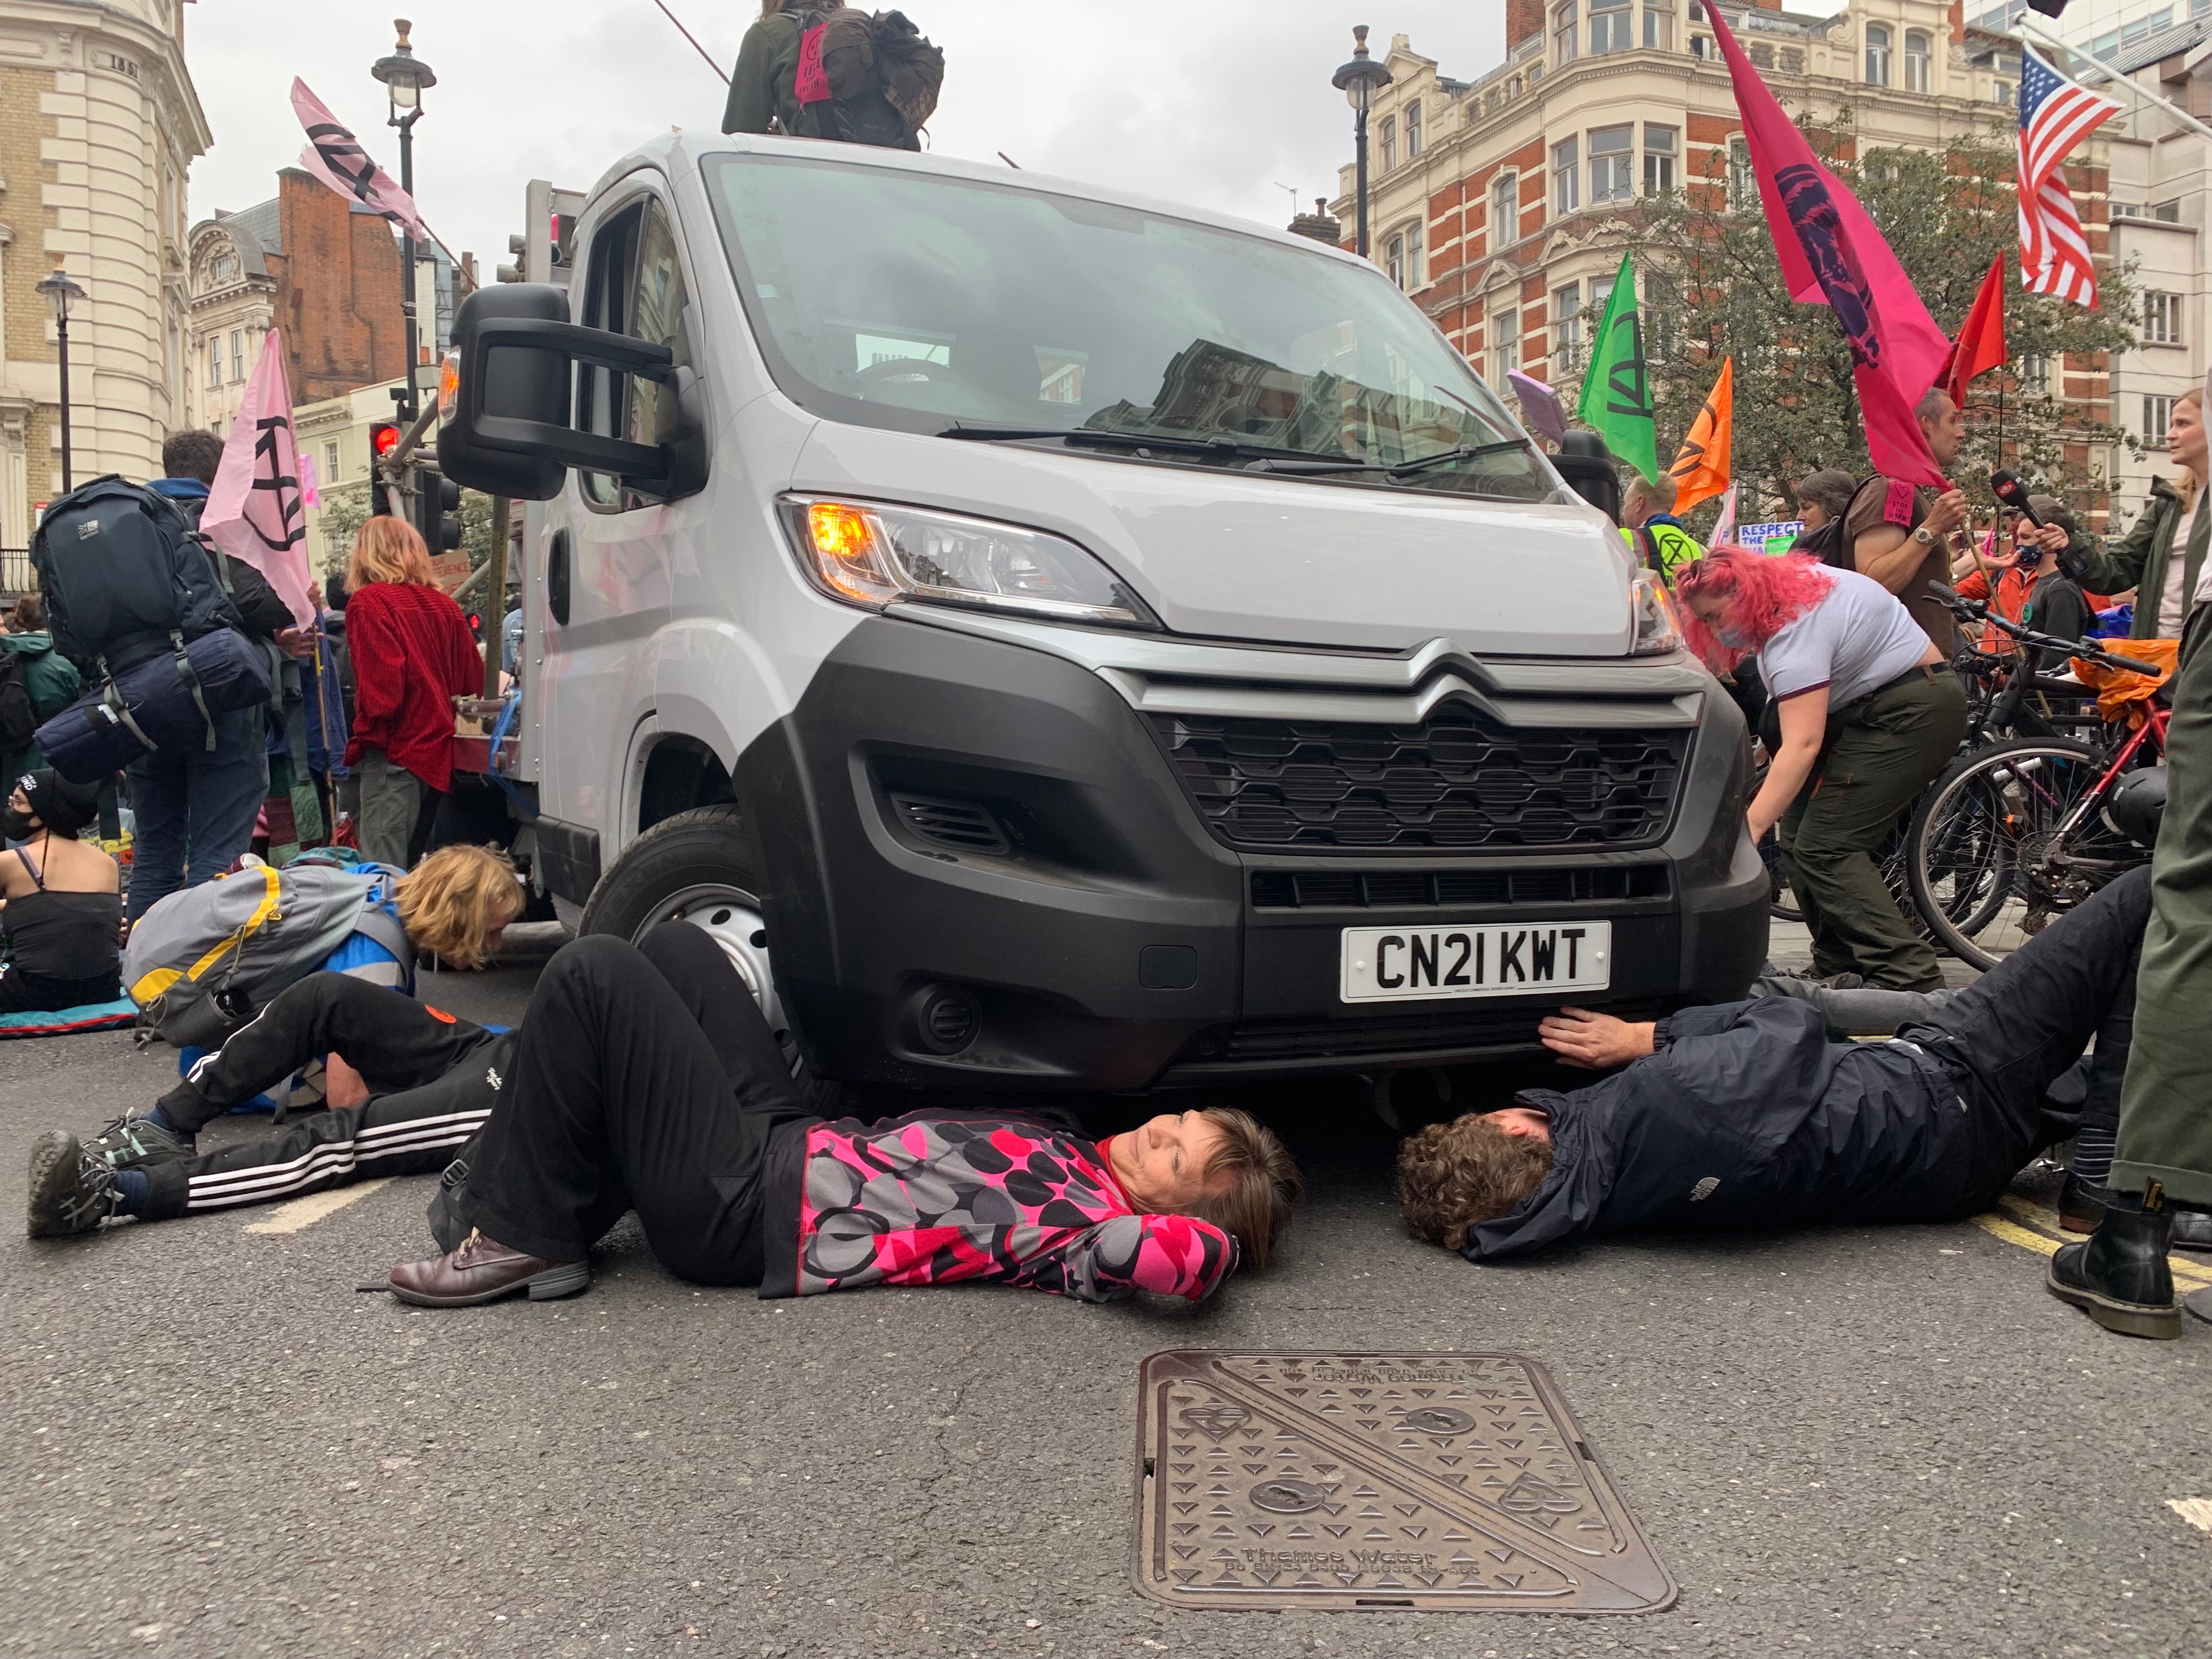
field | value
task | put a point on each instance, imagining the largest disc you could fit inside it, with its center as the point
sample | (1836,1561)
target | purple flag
(255,511)
(334,157)
(1540,406)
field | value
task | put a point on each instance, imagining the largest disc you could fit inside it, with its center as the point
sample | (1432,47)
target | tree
(345,509)
(1714,288)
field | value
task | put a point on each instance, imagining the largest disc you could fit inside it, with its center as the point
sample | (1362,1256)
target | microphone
(2009,489)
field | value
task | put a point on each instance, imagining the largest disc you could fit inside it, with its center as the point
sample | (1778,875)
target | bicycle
(2015,833)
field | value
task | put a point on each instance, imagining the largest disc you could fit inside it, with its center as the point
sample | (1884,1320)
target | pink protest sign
(256,511)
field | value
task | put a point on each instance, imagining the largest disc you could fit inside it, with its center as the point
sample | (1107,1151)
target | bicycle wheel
(1987,866)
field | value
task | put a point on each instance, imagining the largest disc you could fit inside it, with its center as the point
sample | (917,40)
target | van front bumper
(985,868)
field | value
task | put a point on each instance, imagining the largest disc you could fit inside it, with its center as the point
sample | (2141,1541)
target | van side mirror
(507,431)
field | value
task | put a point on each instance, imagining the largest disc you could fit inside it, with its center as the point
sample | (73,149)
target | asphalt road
(1846,1442)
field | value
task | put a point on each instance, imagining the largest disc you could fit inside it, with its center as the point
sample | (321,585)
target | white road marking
(307,1211)
(2197,1511)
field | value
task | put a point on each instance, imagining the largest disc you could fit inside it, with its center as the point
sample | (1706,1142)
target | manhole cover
(1435,1481)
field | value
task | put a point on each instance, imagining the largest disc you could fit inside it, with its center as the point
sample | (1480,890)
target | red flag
(1981,343)
(1832,255)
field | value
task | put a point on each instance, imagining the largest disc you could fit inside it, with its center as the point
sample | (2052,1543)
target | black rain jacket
(1747,1115)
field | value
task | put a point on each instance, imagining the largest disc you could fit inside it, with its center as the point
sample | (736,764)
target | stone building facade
(311,263)
(99,123)
(1491,200)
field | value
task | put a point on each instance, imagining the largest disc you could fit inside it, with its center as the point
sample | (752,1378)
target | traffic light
(383,439)
(437,511)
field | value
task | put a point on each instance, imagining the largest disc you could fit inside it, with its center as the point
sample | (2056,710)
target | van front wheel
(694,867)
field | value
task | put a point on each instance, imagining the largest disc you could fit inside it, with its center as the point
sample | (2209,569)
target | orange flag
(1701,471)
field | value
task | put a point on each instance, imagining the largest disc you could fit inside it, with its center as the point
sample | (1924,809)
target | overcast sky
(1214,104)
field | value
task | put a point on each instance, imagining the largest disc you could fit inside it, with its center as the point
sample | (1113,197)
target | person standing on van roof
(816,70)
(412,654)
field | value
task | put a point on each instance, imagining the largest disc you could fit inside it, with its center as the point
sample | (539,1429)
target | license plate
(1405,965)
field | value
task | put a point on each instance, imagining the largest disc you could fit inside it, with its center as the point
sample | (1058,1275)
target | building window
(1412,129)
(214,361)
(329,464)
(2003,90)
(1919,62)
(1657,318)
(2161,318)
(1612,164)
(1658,159)
(1793,61)
(1701,45)
(1877,55)
(1567,329)
(1417,274)
(1403,257)
(1612,26)
(1659,25)
(1562,34)
(2158,414)
(1393,259)
(1566,194)
(1505,211)
(1389,143)
(2035,376)
(1505,348)
(2167,213)
(2124,209)
(238,354)
(1742,182)
(1762,55)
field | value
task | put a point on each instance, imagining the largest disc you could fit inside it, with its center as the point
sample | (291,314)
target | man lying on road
(645,1079)
(1746,1115)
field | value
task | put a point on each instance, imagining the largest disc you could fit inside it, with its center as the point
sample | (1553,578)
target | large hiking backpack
(131,596)
(123,576)
(866,80)
(204,961)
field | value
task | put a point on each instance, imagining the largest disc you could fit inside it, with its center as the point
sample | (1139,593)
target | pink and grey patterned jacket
(931,1200)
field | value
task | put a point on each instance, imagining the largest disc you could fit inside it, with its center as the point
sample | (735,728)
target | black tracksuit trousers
(432,1080)
(2023,1025)
(646,1079)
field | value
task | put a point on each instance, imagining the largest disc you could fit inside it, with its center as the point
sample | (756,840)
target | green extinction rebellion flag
(1616,401)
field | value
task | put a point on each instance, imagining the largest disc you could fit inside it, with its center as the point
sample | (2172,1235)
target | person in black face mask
(61,908)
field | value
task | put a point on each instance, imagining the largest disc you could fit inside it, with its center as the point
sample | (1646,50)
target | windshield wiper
(1177,443)
(1465,452)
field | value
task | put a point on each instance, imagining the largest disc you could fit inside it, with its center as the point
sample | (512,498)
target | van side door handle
(556,577)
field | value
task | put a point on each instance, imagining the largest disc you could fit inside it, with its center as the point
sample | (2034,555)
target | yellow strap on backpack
(151,986)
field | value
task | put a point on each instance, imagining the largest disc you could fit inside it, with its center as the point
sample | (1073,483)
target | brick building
(1491,200)
(99,123)
(311,263)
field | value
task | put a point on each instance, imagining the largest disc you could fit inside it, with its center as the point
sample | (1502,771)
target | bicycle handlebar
(1957,603)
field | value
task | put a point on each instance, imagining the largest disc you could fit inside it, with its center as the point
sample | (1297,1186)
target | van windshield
(922,303)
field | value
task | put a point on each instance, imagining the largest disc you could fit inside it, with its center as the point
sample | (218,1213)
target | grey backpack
(203,962)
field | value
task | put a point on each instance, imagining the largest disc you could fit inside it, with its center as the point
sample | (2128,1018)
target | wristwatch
(1922,536)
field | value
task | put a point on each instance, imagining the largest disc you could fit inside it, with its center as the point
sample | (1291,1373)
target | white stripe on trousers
(264,1181)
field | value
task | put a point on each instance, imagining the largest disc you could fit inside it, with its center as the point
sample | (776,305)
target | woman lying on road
(1745,1115)
(647,1080)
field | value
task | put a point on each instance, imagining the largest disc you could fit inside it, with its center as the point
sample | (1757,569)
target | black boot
(2080,1204)
(2118,1275)
(2192,1230)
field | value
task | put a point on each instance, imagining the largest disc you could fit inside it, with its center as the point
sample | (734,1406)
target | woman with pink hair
(1869,715)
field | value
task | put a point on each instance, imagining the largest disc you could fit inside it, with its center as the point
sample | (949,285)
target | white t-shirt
(2173,604)
(1858,637)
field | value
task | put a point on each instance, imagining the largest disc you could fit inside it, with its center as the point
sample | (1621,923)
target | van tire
(706,845)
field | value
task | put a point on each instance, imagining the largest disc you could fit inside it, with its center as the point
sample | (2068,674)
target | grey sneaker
(135,1142)
(72,1188)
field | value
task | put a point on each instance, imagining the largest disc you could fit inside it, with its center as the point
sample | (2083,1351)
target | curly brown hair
(1452,1177)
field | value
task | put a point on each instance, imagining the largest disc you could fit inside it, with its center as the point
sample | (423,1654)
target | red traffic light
(384,438)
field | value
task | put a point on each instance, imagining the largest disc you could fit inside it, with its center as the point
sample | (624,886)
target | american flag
(2055,116)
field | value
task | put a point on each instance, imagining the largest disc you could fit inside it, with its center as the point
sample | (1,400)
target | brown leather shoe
(484,1270)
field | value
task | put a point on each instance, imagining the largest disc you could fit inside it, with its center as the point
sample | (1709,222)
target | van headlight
(1651,608)
(866,553)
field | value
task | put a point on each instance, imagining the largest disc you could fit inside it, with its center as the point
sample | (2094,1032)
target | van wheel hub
(732,919)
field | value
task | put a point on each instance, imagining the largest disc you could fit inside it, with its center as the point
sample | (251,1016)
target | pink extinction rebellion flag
(1832,255)
(255,511)
(334,156)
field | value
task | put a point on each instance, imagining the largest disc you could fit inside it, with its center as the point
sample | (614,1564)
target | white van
(1056,639)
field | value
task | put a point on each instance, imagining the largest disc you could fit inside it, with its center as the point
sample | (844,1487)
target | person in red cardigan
(412,655)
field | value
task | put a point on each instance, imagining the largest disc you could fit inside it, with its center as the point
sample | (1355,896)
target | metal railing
(16,576)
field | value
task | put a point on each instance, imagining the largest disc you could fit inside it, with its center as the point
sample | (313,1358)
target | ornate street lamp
(405,76)
(62,294)
(1360,81)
